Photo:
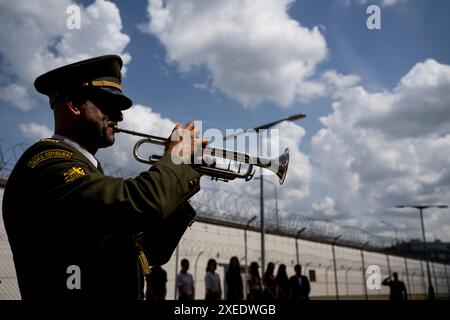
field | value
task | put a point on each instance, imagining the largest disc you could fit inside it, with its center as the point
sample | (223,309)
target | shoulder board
(49,140)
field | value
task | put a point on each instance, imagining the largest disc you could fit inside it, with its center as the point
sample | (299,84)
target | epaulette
(49,140)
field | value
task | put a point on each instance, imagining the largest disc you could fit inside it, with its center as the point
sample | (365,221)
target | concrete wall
(221,243)
(9,289)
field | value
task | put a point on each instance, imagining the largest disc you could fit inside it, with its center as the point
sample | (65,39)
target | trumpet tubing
(277,165)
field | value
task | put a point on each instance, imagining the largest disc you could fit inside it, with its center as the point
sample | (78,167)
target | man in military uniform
(74,232)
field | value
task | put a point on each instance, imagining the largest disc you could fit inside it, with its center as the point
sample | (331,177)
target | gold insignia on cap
(49,154)
(73,174)
(103,83)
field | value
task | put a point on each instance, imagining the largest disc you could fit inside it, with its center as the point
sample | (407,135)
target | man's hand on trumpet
(185,145)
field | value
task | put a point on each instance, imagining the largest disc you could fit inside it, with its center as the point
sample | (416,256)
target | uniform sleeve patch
(73,174)
(49,154)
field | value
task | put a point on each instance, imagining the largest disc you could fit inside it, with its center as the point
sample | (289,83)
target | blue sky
(388,88)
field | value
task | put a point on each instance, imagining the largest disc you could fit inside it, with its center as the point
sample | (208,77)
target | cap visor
(115,97)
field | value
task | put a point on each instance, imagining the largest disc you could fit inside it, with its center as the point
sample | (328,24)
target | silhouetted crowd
(269,288)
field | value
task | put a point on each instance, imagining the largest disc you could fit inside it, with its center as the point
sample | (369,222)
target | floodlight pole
(296,243)
(334,264)
(431,295)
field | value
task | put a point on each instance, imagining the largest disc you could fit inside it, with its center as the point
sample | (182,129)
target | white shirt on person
(212,281)
(186,282)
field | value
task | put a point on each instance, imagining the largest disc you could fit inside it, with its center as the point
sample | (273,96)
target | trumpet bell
(283,164)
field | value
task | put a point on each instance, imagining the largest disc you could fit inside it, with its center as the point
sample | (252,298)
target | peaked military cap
(99,76)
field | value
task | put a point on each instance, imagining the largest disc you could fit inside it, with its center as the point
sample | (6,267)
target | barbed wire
(224,205)
(9,154)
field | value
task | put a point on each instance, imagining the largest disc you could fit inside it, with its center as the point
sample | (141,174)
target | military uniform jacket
(62,213)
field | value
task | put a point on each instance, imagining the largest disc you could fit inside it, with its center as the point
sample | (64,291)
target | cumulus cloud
(16,94)
(294,196)
(35,40)
(418,106)
(297,183)
(380,149)
(141,119)
(35,131)
(324,207)
(253,49)
(337,81)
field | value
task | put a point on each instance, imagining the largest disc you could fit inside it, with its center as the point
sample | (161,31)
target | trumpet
(277,165)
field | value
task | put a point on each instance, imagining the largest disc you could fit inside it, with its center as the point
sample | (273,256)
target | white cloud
(381,149)
(35,131)
(294,194)
(253,49)
(339,81)
(324,206)
(298,179)
(418,106)
(35,39)
(16,94)
(141,119)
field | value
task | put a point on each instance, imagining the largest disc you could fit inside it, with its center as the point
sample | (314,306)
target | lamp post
(397,243)
(346,278)
(421,208)
(408,282)
(435,282)
(423,278)
(296,243)
(387,254)
(446,278)
(395,230)
(176,272)
(261,185)
(364,270)
(245,248)
(196,261)
(334,264)
(326,279)
(306,267)
(411,292)
(276,200)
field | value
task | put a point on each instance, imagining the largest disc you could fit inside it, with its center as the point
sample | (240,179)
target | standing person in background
(156,284)
(254,283)
(185,283)
(283,286)
(397,288)
(233,279)
(270,284)
(212,282)
(300,287)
